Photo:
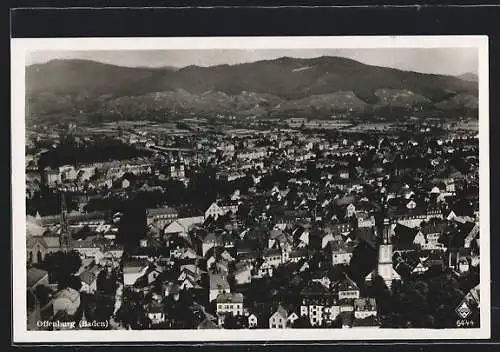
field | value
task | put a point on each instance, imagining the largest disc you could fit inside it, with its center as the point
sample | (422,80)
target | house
(265,269)
(153,273)
(404,238)
(343,228)
(272,257)
(242,273)
(89,281)
(297,255)
(471,236)
(278,319)
(321,277)
(318,304)
(292,318)
(252,321)
(229,303)
(36,277)
(350,211)
(218,209)
(347,289)
(429,235)
(211,240)
(190,271)
(38,247)
(155,312)
(90,247)
(463,265)
(175,228)
(218,285)
(364,308)
(133,270)
(161,216)
(189,253)
(182,226)
(341,252)
(67,301)
(171,289)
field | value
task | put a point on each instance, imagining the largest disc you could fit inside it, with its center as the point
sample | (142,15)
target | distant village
(265,225)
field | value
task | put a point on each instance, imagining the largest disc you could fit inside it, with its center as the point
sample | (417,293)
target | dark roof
(161,211)
(403,236)
(315,289)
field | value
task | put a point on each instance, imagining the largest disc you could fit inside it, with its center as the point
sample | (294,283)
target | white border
(19,48)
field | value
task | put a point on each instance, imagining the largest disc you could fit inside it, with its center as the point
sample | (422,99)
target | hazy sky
(450,61)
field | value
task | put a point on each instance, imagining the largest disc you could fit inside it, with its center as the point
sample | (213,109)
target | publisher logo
(463,310)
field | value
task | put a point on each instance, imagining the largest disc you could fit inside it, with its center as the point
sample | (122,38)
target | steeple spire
(65,235)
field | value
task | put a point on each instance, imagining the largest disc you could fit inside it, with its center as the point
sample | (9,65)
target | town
(210,223)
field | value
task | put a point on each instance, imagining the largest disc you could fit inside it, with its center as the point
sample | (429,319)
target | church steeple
(384,268)
(64,235)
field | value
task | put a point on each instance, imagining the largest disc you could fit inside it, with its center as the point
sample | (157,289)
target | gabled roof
(315,289)
(281,312)
(218,282)
(88,277)
(347,285)
(230,298)
(365,304)
(161,211)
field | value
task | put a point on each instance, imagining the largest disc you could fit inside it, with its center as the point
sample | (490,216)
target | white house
(292,318)
(252,321)
(156,312)
(214,211)
(229,303)
(279,319)
(350,211)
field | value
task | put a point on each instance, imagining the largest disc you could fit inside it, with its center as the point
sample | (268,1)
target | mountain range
(323,86)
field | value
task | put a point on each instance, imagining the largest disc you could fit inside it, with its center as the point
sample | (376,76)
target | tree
(382,294)
(302,323)
(43,294)
(61,265)
(230,322)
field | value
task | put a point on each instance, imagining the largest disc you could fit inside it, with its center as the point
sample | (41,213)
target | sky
(447,61)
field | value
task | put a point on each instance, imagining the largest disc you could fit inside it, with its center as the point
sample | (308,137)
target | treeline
(99,151)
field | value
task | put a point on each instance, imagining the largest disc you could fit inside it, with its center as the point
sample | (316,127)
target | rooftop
(34,275)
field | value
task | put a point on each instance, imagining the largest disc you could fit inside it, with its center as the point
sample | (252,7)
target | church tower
(64,235)
(384,268)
